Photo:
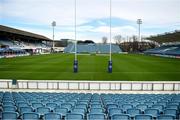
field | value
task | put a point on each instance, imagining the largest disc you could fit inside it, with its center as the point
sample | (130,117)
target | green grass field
(60,67)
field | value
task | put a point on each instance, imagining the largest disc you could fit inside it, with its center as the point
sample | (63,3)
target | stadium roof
(23,33)
(166,37)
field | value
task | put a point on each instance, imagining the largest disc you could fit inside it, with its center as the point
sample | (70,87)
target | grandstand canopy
(166,37)
(12,31)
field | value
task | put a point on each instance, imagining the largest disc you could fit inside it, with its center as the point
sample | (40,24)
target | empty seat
(9,115)
(84,106)
(96,106)
(36,105)
(166,117)
(143,117)
(96,110)
(142,107)
(79,110)
(42,110)
(159,107)
(133,112)
(8,103)
(25,110)
(66,105)
(62,111)
(9,108)
(22,104)
(96,116)
(172,112)
(52,116)
(152,112)
(30,116)
(51,105)
(172,107)
(74,116)
(126,106)
(113,111)
(120,117)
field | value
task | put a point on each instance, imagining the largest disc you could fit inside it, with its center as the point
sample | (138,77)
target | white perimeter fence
(91,85)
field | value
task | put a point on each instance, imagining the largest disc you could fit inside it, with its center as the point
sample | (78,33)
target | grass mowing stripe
(91,67)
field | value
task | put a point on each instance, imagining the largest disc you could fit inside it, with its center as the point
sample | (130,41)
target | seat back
(52,116)
(120,117)
(74,116)
(9,109)
(99,116)
(31,115)
(143,117)
(9,115)
(165,117)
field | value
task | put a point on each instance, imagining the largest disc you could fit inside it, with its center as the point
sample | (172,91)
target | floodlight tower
(53,25)
(139,22)
(75,65)
(110,50)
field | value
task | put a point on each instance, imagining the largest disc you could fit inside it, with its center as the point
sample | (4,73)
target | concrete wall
(92,85)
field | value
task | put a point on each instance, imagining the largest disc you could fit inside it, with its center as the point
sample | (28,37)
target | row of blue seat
(165,50)
(25,105)
(92,48)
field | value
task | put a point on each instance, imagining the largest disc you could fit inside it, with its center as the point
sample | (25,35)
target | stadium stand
(169,44)
(87,106)
(92,48)
(173,50)
(15,42)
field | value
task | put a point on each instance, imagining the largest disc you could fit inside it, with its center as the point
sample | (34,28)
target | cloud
(91,16)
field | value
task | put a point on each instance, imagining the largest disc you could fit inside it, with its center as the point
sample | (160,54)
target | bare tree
(104,39)
(118,39)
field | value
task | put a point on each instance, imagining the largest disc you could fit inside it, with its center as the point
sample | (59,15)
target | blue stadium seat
(96,116)
(79,110)
(84,106)
(96,110)
(143,117)
(30,116)
(96,106)
(25,110)
(172,112)
(149,104)
(51,105)
(9,109)
(172,106)
(66,105)
(52,116)
(159,107)
(120,117)
(36,105)
(9,115)
(166,117)
(8,103)
(132,112)
(126,106)
(22,104)
(113,111)
(62,111)
(43,110)
(73,116)
(153,112)
(142,107)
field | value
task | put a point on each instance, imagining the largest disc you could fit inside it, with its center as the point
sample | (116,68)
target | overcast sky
(158,16)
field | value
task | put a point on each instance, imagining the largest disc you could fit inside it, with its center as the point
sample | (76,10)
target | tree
(104,39)
(118,39)
(88,41)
